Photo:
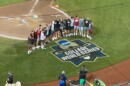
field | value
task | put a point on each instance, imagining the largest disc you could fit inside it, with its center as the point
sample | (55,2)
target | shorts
(29,45)
(47,36)
(86,28)
(42,38)
(80,28)
(62,28)
(35,40)
(52,32)
(71,27)
(32,41)
(75,27)
(56,29)
(67,28)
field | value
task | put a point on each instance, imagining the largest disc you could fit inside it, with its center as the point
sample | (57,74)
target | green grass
(40,66)
(112,29)
(111,19)
(8,2)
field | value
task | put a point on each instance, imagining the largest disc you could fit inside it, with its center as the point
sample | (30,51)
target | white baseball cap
(63,72)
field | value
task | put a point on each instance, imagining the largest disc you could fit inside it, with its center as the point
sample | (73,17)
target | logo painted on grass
(64,43)
(77,51)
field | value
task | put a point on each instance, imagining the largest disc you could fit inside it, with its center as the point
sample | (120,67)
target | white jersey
(47,30)
(52,26)
(42,36)
(72,22)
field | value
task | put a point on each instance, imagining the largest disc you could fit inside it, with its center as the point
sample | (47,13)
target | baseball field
(111,32)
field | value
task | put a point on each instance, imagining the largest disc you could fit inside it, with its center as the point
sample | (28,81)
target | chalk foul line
(33,7)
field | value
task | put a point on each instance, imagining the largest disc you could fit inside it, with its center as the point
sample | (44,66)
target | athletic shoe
(53,38)
(39,46)
(56,38)
(43,48)
(33,48)
(72,34)
(29,51)
(87,36)
(90,37)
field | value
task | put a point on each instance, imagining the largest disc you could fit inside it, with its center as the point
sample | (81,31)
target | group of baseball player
(57,29)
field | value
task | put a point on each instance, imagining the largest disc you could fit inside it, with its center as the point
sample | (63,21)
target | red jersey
(38,33)
(76,21)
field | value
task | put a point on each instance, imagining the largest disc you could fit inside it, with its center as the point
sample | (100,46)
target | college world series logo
(77,51)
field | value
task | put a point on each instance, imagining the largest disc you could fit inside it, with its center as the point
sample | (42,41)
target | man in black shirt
(67,27)
(82,72)
(87,28)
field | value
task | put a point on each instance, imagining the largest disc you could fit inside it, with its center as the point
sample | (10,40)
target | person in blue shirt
(63,77)
(80,25)
(62,82)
